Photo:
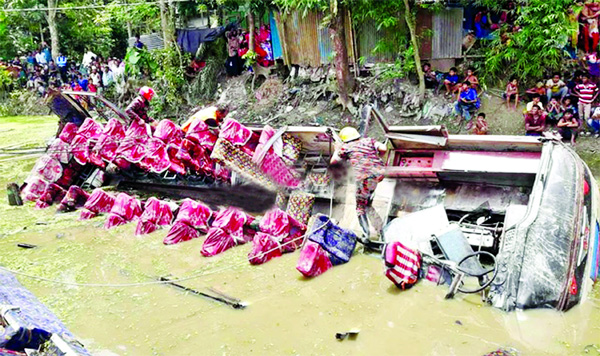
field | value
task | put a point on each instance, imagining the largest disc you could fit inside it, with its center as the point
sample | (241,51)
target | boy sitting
(451,81)
(567,127)
(594,123)
(481,126)
(467,101)
(555,111)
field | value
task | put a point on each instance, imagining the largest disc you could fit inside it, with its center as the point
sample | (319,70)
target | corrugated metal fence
(447,34)
(303,40)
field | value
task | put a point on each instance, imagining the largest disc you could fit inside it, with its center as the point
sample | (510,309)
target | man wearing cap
(364,156)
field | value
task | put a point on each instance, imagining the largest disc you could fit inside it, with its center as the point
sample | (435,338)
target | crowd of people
(562,104)
(38,71)
(237,47)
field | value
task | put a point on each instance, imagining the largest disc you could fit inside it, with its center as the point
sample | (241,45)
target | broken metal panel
(447,34)
(536,258)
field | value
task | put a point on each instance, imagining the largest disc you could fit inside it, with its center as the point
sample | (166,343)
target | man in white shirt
(40,58)
(107,77)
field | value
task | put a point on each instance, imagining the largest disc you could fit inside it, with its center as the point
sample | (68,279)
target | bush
(23,102)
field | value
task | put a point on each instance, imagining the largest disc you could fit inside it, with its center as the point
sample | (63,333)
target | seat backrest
(455,247)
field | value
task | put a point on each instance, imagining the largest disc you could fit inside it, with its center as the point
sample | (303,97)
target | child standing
(512,92)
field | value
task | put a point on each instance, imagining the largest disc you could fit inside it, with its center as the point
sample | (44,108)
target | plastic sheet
(125,209)
(200,133)
(68,132)
(74,199)
(80,147)
(99,202)
(313,260)
(226,231)
(156,159)
(194,213)
(48,168)
(53,193)
(264,248)
(338,242)
(60,150)
(402,264)
(156,213)
(90,129)
(278,231)
(34,189)
(180,232)
(168,132)
(234,132)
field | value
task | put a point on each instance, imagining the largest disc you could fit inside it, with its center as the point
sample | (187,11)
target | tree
(342,69)
(335,22)
(534,50)
(166,24)
(409,17)
(51,18)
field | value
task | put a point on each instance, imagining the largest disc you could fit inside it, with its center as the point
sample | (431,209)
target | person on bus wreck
(364,154)
(138,108)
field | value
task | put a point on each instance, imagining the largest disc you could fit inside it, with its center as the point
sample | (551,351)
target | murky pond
(286,314)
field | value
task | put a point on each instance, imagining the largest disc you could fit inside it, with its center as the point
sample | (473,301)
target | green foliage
(6,83)
(250,58)
(169,80)
(140,62)
(19,102)
(535,50)
(142,17)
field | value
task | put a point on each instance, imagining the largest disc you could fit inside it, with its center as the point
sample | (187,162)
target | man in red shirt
(535,122)
(587,93)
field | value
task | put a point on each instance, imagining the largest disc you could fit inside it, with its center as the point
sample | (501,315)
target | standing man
(107,77)
(61,62)
(587,93)
(364,156)
(40,58)
(138,109)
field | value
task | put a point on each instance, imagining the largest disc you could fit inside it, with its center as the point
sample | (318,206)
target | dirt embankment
(309,99)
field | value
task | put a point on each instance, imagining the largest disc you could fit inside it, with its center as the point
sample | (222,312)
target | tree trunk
(342,68)
(166,24)
(250,17)
(410,22)
(129,30)
(52,4)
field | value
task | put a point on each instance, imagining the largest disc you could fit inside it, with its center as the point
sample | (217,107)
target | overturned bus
(530,203)
(526,207)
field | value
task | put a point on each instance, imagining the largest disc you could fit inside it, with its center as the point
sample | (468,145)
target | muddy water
(286,313)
